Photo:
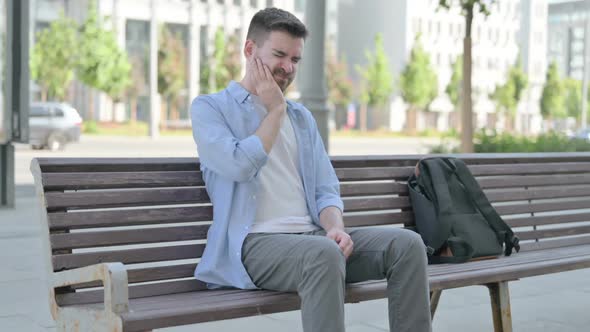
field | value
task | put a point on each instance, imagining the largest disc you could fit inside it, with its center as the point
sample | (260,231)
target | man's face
(281,52)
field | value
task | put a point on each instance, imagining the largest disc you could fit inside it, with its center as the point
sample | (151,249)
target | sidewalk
(553,303)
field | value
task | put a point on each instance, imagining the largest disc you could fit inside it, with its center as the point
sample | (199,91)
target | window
(253,3)
(38,112)
(299,5)
(238,2)
(221,2)
(269,3)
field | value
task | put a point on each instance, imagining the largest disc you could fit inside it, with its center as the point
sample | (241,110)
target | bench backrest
(153,214)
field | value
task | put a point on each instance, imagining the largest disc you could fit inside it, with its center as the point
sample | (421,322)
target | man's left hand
(343,240)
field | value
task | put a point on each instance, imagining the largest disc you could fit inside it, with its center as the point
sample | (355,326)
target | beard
(282,78)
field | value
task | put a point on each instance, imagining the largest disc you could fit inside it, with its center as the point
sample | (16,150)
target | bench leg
(434,298)
(500,298)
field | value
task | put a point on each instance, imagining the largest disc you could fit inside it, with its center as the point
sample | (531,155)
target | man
(277,210)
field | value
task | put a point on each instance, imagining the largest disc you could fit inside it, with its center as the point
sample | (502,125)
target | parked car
(583,134)
(52,125)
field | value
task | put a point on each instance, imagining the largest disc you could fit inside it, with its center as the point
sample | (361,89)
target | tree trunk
(133,110)
(43,94)
(90,105)
(467,118)
(411,121)
(363,117)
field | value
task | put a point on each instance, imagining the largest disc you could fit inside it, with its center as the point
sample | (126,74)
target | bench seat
(198,306)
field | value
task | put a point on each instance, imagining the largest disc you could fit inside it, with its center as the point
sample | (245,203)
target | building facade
(515,28)
(194,21)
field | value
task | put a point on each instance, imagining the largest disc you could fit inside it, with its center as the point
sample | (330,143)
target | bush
(491,142)
(90,127)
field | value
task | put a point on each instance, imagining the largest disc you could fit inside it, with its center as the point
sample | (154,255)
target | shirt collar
(237,91)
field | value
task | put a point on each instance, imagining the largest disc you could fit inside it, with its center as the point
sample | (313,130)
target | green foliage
(552,99)
(466,5)
(232,59)
(573,97)
(340,85)
(225,62)
(493,142)
(519,79)
(204,77)
(454,87)
(101,63)
(90,127)
(53,57)
(418,81)
(503,95)
(172,64)
(377,77)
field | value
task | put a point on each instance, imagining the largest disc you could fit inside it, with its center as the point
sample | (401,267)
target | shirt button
(253,196)
(237,254)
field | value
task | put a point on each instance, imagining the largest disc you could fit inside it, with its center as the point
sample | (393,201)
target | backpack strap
(503,231)
(462,252)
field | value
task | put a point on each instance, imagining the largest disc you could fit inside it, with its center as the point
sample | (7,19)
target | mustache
(281,72)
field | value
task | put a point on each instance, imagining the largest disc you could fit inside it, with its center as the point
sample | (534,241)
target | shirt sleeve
(219,150)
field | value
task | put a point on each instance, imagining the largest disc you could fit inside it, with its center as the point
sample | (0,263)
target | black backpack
(451,211)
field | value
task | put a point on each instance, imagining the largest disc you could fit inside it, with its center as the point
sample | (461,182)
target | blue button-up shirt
(231,157)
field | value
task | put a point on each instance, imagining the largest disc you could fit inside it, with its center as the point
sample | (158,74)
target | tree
(552,98)
(232,59)
(453,89)
(172,68)
(418,83)
(101,64)
(377,84)
(468,7)
(225,64)
(339,85)
(138,86)
(508,95)
(573,98)
(53,58)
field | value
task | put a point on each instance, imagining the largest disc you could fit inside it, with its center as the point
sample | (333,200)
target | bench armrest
(113,277)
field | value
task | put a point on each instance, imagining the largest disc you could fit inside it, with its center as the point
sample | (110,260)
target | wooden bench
(123,236)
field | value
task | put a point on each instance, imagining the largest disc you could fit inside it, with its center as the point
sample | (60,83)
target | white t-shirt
(281,205)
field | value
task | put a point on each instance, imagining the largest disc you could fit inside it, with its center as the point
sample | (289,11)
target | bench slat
(373,173)
(123,237)
(547,220)
(135,291)
(530,257)
(530,169)
(367,204)
(554,232)
(392,218)
(371,189)
(555,243)
(85,165)
(112,180)
(155,273)
(543,207)
(115,218)
(122,198)
(538,193)
(534,180)
(128,256)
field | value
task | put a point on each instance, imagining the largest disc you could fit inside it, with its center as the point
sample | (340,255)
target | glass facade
(4,121)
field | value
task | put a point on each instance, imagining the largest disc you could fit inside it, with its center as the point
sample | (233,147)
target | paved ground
(554,303)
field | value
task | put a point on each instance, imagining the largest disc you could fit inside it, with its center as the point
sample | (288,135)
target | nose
(288,67)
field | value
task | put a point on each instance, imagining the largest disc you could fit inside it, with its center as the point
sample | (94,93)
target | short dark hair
(273,19)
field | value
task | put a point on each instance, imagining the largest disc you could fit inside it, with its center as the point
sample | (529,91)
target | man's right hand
(267,89)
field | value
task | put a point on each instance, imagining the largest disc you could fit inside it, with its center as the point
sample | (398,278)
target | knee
(409,246)
(325,257)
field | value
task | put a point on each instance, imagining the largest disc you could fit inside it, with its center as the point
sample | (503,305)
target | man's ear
(249,48)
